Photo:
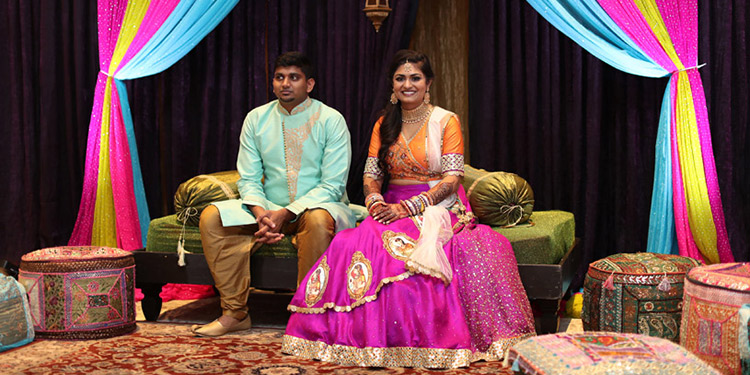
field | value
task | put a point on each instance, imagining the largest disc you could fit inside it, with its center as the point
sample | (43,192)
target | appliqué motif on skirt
(399,245)
(359,276)
(316,284)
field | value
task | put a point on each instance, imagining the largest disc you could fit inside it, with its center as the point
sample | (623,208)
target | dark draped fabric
(187,119)
(47,78)
(583,133)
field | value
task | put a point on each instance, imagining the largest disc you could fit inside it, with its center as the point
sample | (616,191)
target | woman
(417,284)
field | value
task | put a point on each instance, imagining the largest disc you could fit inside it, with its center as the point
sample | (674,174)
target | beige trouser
(228,250)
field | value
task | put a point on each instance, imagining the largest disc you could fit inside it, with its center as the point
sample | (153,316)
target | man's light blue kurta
(298,161)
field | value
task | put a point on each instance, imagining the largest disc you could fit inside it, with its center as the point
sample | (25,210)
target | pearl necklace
(415,115)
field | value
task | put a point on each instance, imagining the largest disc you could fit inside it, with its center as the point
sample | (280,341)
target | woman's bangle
(419,203)
(373,198)
(416,204)
(413,206)
(428,197)
(409,207)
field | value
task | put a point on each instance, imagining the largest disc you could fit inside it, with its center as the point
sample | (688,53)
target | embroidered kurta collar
(301,107)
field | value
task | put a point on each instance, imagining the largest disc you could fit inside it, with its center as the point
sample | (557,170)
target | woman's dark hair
(390,128)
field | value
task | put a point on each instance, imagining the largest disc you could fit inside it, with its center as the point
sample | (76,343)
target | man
(293,163)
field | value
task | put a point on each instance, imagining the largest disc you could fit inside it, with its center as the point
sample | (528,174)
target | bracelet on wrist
(373,198)
(428,197)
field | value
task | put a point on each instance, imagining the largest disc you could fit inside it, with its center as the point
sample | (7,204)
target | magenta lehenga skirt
(360,305)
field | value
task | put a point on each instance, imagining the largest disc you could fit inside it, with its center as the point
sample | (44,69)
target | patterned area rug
(165,348)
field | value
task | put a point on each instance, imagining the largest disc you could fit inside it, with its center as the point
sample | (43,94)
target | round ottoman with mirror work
(80,292)
(636,293)
(715,314)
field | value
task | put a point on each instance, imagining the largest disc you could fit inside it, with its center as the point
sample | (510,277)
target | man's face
(291,86)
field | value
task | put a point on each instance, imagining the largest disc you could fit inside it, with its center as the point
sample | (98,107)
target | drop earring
(426,98)
(393,98)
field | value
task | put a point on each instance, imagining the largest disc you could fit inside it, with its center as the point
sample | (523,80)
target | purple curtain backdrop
(583,133)
(546,109)
(187,119)
(47,78)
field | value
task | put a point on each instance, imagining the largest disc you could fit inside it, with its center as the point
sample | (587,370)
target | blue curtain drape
(588,24)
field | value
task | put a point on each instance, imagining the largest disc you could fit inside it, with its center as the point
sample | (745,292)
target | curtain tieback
(692,67)
(107,74)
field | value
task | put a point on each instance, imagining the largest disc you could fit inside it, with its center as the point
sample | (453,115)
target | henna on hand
(444,189)
(390,213)
(371,185)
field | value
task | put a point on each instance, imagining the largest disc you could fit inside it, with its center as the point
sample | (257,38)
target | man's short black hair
(298,59)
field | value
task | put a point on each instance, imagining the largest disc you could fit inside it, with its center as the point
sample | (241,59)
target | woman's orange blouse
(408,159)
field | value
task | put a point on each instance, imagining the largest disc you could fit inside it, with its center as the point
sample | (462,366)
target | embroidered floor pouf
(714,318)
(611,353)
(16,327)
(82,292)
(636,293)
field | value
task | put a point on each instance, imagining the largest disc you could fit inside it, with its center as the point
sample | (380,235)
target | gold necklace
(424,121)
(411,116)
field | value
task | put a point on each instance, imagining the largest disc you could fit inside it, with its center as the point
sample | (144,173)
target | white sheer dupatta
(428,256)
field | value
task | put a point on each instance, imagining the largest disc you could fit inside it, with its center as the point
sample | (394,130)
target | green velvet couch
(545,249)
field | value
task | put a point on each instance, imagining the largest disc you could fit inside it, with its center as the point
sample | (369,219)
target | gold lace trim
(415,267)
(359,302)
(464,217)
(395,356)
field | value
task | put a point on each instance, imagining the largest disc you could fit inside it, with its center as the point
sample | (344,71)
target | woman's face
(410,85)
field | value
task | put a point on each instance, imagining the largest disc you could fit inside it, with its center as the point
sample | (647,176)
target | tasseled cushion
(195,194)
(498,198)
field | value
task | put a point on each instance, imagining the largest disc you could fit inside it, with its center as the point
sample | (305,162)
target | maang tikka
(407,67)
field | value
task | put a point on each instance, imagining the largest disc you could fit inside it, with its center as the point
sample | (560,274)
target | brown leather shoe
(215,328)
